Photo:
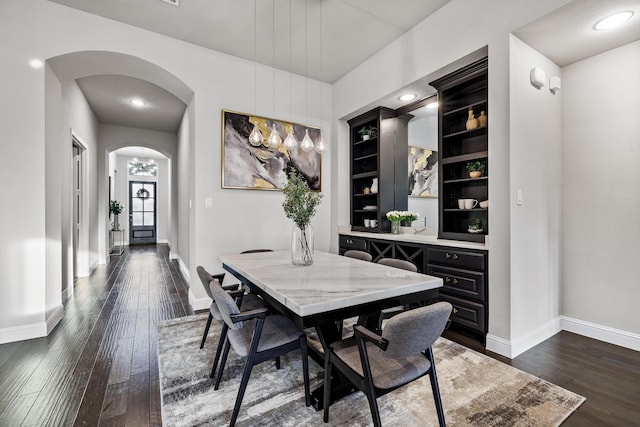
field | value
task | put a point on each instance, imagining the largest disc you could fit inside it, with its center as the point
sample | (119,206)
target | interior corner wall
(600,176)
(183,188)
(535,170)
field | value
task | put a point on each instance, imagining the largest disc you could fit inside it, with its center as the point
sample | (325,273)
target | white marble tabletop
(331,282)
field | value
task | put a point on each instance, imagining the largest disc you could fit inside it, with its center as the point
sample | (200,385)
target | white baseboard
(184,270)
(54,318)
(601,333)
(23,332)
(512,349)
(498,345)
(67,293)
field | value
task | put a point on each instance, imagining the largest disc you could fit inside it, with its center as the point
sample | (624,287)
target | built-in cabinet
(464,273)
(378,173)
(463,95)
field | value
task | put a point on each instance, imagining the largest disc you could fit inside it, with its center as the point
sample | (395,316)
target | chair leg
(225,354)
(277,362)
(206,330)
(243,387)
(221,341)
(327,387)
(436,390)
(305,369)
(373,405)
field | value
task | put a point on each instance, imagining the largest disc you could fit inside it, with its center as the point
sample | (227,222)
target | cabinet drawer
(464,283)
(349,242)
(466,313)
(457,258)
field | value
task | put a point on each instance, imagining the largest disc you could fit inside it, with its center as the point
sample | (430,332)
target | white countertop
(414,238)
(331,282)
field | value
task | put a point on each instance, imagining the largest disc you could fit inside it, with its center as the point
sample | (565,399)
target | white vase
(302,245)
(374,186)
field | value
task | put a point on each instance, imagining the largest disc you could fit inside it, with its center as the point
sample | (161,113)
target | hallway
(99,366)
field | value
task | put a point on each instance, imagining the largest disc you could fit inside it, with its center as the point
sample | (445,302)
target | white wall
(43,29)
(601,201)
(535,164)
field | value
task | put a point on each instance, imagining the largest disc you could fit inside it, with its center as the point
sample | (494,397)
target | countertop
(414,238)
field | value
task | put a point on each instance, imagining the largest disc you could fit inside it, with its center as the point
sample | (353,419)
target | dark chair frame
(365,383)
(219,278)
(256,357)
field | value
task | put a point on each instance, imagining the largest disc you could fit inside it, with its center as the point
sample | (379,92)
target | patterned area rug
(476,390)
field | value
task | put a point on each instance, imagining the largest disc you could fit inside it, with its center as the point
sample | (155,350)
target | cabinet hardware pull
(448,255)
(455,281)
(455,256)
(447,279)
(455,310)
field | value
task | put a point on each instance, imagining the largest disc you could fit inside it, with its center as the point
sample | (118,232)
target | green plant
(476,166)
(475,224)
(407,216)
(300,203)
(368,130)
(115,207)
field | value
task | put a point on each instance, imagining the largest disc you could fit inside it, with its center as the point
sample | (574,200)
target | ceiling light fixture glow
(432,105)
(36,63)
(137,102)
(613,21)
(407,97)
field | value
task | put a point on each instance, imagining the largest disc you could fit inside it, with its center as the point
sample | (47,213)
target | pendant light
(290,141)
(306,144)
(274,139)
(255,138)
(321,145)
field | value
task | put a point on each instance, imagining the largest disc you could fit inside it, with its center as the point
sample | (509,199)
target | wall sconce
(537,77)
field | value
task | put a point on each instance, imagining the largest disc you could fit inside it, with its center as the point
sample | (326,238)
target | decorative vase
(302,245)
(472,122)
(475,174)
(365,137)
(116,224)
(482,119)
(374,186)
(395,227)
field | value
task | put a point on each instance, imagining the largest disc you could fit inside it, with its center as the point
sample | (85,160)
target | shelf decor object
(463,151)
(262,167)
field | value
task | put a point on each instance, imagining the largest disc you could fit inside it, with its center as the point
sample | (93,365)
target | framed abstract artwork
(245,166)
(423,172)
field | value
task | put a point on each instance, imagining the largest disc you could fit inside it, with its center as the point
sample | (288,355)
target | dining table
(331,289)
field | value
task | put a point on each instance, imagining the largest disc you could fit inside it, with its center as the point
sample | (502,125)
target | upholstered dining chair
(378,364)
(365,256)
(258,336)
(249,302)
(398,263)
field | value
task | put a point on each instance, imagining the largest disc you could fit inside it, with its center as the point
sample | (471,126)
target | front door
(142,213)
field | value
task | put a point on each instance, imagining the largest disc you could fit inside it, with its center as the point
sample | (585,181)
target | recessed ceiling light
(407,97)
(36,63)
(432,105)
(613,20)
(137,102)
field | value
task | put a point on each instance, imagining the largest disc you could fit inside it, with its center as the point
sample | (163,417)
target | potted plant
(300,204)
(476,168)
(475,226)
(399,217)
(368,132)
(115,208)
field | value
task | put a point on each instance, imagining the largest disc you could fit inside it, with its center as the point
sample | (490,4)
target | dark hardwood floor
(99,366)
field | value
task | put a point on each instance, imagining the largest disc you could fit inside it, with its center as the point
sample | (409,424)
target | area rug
(476,390)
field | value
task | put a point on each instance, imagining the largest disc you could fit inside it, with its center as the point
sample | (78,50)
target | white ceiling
(141,153)
(352,31)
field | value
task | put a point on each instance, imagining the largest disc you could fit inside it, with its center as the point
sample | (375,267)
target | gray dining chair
(249,302)
(258,336)
(378,364)
(399,263)
(365,256)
